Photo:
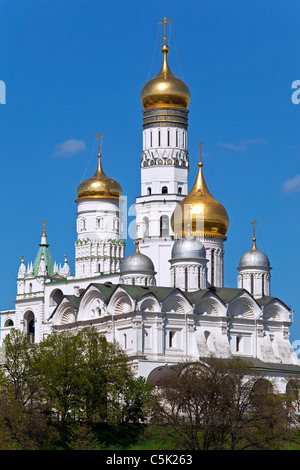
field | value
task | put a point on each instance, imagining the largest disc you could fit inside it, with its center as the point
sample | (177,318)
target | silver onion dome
(136,262)
(254,258)
(190,247)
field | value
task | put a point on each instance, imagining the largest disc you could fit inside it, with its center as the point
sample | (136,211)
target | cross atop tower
(254,239)
(164,22)
(44,223)
(253,223)
(200,143)
(98,136)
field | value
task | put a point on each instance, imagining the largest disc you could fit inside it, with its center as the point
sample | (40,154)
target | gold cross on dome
(253,223)
(164,22)
(98,136)
(44,223)
(201,143)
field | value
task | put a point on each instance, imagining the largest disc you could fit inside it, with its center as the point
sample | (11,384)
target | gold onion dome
(200,211)
(100,185)
(165,89)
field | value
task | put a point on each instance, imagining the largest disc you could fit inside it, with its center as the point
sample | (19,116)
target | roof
(44,250)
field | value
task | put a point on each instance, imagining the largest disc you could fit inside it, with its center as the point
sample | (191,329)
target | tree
(214,404)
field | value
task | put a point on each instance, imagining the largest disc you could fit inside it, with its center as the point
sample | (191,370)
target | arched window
(180,190)
(9,322)
(149,191)
(55,297)
(164,190)
(125,341)
(164,226)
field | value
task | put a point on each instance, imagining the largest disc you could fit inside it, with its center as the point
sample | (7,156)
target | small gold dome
(165,89)
(99,185)
(199,212)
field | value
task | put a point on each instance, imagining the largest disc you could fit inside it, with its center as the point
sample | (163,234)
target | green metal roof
(43,249)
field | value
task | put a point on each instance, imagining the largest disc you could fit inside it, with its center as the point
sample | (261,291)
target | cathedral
(166,302)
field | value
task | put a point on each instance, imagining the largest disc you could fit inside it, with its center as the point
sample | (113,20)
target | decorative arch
(120,302)
(210,306)
(64,314)
(176,303)
(149,304)
(91,304)
(244,306)
(276,311)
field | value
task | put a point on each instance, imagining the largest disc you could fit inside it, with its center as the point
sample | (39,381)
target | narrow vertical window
(186,278)
(168,135)
(171,338)
(159,138)
(150,139)
(199,274)
(174,277)
(263,285)
(252,284)
(176,138)
(212,267)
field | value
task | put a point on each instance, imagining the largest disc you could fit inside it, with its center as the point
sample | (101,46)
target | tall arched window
(149,191)
(164,190)
(164,226)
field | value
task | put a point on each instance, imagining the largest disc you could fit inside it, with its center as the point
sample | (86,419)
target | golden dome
(99,185)
(165,89)
(199,212)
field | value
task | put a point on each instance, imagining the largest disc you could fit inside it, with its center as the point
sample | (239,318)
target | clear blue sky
(75,67)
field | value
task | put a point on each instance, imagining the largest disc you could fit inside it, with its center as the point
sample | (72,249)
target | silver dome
(190,247)
(254,258)
(136,262)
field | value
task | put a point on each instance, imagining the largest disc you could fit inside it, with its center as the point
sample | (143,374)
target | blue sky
(75,67)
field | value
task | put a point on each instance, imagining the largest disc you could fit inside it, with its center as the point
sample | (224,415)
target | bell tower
(164,162)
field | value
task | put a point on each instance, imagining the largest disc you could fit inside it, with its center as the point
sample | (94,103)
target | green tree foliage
(220,404)
(66,382)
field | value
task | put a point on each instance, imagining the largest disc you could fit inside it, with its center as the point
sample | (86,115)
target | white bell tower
(164,163)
